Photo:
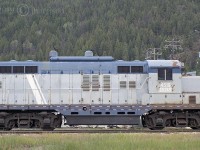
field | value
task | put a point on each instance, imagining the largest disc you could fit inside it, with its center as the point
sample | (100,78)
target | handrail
(143,83)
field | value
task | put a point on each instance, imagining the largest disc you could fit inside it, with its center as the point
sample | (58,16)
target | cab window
(123,69)
(164,74)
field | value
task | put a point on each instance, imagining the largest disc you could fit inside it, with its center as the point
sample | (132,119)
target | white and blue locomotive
(93,90)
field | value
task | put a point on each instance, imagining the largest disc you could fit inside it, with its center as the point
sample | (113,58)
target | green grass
(137,141)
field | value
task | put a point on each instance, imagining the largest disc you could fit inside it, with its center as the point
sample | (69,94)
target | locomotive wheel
(37,124)
(11,125)
(194,124)
(150,123)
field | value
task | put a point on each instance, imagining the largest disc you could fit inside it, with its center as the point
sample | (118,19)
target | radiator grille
(122,84)
(86,83)
(132,84)
(95,83)
(106,82)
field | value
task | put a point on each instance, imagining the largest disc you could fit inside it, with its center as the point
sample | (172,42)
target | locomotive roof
(80,60)
(164,63)
(87,64)
(118,62)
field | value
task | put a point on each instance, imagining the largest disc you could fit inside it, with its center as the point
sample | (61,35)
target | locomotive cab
(164,82)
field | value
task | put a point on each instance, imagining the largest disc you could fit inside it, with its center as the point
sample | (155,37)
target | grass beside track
(119,141)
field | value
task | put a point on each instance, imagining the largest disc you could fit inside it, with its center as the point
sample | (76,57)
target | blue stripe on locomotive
(90,65)
(77,67)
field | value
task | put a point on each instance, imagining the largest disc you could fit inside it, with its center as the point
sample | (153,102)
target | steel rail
(97,131)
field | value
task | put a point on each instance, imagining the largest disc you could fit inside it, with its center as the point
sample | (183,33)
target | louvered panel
(122,84)
(132,84)
(86,83)
(95,83)
(106,82)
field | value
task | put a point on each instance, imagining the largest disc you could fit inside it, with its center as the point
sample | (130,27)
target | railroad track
(97,131)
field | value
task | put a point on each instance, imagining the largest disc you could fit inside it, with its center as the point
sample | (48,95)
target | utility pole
(153,53)
(173,45)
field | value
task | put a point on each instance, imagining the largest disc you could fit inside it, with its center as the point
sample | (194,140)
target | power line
(174,45)
(153,53)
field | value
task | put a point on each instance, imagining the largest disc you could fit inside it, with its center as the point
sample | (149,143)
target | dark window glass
(31,69)
(18,69)
(5,69)
(161,74)
(136,69)
(123,69)
(168,74)
(164,74)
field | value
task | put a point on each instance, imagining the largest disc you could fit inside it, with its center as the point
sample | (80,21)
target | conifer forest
(124,29)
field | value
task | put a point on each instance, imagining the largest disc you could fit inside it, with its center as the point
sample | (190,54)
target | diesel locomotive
(97,90)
